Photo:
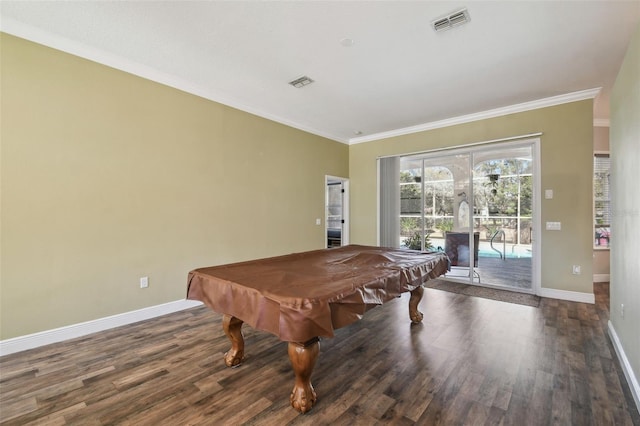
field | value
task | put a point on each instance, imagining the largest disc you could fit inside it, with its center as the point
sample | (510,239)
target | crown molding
(492,113)
(18,29)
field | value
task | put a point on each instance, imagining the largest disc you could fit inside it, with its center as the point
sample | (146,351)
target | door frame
(344,237)
(535,141)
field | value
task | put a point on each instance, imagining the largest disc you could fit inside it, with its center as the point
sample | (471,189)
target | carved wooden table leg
(233,329)
(303,358)
(414,301)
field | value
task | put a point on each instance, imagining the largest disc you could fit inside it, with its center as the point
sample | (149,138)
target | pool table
(301,297)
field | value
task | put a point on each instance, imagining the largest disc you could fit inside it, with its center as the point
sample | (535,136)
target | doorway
(477,204)
(336,211)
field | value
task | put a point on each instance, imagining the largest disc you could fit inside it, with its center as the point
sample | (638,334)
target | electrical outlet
(144,282)
(622,310)
(576,269)
(553,226)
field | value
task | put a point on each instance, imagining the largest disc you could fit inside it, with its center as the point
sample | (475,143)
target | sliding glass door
(477,205)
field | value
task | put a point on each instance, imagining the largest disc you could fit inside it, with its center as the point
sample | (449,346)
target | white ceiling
(398,76)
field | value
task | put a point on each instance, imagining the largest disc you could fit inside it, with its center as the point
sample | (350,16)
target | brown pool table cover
(304,295)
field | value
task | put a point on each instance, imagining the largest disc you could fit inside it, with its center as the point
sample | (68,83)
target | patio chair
(456,246)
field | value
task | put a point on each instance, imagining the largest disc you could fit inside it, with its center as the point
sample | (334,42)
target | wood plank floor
(472,361)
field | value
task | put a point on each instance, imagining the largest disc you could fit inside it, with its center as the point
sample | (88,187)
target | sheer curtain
(389,186)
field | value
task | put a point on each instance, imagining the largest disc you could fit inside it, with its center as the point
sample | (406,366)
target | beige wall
(600,257)
(566,161)
(625,226)
(107,177)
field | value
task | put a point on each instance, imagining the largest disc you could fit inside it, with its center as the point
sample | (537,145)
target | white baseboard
(601,278)
(573,296)
(626,367)
(30,341)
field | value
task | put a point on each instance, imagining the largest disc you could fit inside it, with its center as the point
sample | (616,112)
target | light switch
(548,194)
(318,221)
(553,226)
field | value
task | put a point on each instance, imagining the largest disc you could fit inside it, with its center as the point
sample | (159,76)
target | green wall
(566,167)
(625,197)
(107,177)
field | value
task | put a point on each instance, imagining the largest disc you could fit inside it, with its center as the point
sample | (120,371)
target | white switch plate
(553,226)
(144,282)
(548,194)
(318,222)
(576,270)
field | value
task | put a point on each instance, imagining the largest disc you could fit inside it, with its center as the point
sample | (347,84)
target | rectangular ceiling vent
(451,20)
(301,82)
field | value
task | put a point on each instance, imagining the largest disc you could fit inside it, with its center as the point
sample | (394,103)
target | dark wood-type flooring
(472,361)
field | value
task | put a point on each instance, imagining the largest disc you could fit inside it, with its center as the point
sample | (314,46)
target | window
(601,200)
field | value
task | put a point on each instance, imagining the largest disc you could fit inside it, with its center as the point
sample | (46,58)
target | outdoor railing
(503,255)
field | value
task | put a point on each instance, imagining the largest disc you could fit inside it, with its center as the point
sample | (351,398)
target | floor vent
(451,20)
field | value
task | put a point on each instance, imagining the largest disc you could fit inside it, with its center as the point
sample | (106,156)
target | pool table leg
(233,329)
(414,301)
(303,358)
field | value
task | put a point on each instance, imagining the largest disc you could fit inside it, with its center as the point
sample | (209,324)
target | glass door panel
(503,215)
(412,233)
(435,210)
(447,211)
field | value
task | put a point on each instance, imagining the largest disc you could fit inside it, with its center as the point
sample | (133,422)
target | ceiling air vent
(451,20)
(301,82)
